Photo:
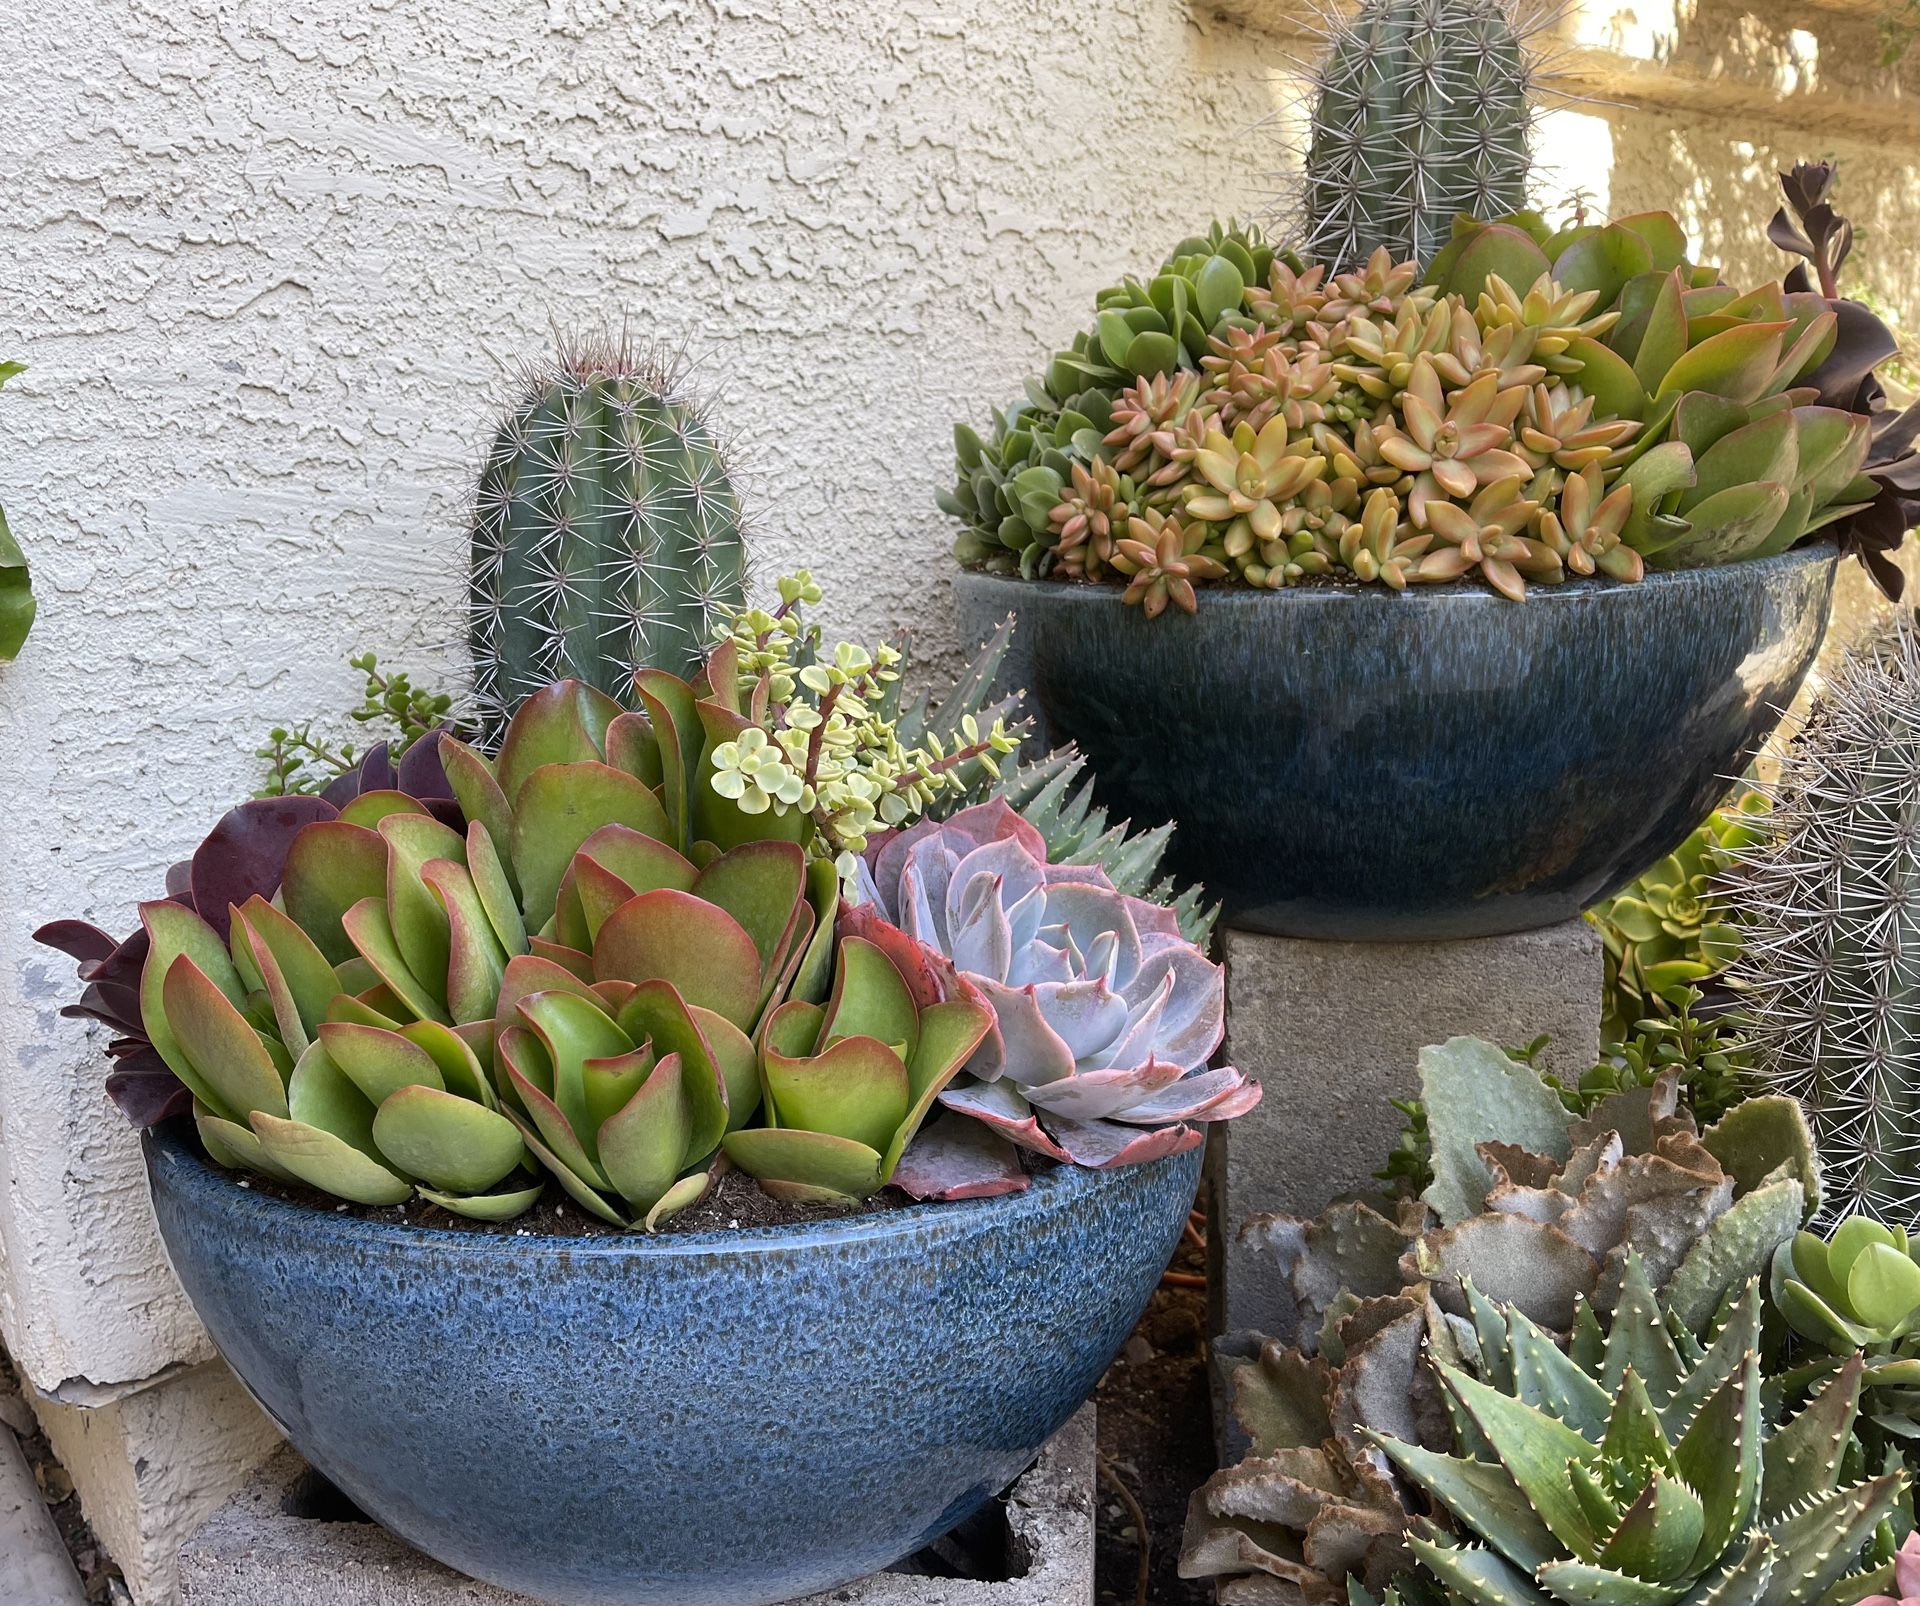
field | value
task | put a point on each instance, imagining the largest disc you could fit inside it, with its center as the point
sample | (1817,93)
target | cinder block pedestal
(270,1546)
(1333,1030)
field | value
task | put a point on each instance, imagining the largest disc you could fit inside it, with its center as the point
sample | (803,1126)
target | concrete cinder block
(152,1466)
(1333,1030)
(256,1553)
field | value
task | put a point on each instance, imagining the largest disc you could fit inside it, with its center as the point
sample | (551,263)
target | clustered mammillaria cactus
(1104,1017)
(1532,406)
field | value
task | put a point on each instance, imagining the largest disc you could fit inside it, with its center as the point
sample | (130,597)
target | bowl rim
(1458,593)
(188,1172)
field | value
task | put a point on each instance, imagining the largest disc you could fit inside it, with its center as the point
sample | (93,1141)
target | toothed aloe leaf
(1477,1576)
(1535,1449)
(1736,1247)
(1483,1497)
(1802,1460)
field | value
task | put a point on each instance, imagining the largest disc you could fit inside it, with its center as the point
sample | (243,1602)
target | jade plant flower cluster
(591,956)
(1532,405)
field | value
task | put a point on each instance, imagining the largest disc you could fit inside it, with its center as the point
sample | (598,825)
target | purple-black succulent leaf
(422,773)
(145,1091)
(179,881)
(80,940)
(246,853)
(959,1159)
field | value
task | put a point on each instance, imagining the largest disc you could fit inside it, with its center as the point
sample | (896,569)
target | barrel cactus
(606,533)
(1832,930)
(1421,111)
(1104,1016)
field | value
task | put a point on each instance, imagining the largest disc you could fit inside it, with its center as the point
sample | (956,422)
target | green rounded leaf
(448,1142)
(805,1167)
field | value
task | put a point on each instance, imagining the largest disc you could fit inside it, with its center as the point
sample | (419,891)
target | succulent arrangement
(1674,928)
(1486,1459)
(16,587)
(614,952)
(606,530)
(1441,385)
(1827,956)
(1542,1209)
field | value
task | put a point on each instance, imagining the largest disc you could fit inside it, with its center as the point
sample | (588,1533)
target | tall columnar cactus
(1420,112)
(1832,959)
(606,534)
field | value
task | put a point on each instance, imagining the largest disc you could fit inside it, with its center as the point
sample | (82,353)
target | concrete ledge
(1333,1031)
(255,1553)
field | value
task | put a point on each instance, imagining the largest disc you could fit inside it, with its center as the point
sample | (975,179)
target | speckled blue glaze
(1369,766)
(698,1420)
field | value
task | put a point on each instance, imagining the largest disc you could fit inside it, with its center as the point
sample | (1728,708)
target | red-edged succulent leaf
(871,998)
(700,948)
(475,959)
(371,933)
(657,1014)
(855,1088)
(649,1141)
(223,1053)
(245,855)
(954,1158)
(297,979)
(564,723)
(330,867)
(929,976)
(805,1167)
(763,886)
(558,807)
(377,1061)
(171,932)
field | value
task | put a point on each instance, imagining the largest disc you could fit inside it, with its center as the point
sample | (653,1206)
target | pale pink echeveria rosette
(1105,1016)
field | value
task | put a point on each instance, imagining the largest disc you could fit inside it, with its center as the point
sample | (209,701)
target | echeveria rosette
(1104,1016)
(848,1083)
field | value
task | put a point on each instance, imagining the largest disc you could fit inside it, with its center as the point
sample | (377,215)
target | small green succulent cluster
(392,710)
(1544,404)
(1858,1290)
(1676,927)
(1485,1460)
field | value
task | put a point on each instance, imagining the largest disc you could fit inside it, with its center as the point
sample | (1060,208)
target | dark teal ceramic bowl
(1363,765)
(697,1420)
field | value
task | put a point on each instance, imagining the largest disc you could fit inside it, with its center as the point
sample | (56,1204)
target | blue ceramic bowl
(697,1420)
(1363,765)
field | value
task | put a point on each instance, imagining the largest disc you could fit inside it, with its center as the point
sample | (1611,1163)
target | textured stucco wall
(267,261)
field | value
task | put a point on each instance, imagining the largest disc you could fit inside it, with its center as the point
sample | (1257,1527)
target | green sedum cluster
(1539,405)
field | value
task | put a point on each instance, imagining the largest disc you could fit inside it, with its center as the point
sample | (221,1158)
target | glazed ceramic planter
(1359,764)
(694,1420)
